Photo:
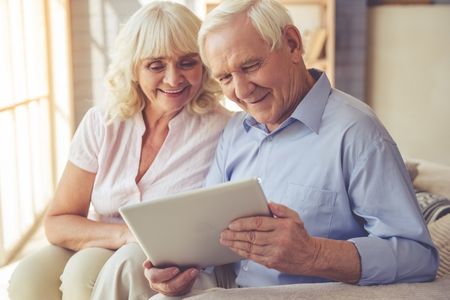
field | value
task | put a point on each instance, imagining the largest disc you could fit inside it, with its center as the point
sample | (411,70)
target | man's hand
(170,281)
(281,243)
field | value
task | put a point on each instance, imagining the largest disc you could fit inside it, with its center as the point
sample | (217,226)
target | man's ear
(294,42)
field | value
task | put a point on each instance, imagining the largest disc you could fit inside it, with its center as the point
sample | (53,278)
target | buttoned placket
(265,147)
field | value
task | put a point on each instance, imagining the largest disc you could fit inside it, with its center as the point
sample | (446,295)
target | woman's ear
(294,42)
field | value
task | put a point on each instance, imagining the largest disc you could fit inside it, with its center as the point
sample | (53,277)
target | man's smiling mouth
(258,100)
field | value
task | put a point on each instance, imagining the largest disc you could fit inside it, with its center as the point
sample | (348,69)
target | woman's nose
(173,76)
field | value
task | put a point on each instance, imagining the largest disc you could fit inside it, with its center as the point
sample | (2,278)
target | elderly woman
(155,136)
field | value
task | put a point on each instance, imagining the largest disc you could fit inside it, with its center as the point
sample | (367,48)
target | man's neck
(307,82)
(302,87)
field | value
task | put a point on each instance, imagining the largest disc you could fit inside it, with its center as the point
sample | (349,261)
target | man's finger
(258,258)
(282,211)
(252,237)
(258,223)
(245,249)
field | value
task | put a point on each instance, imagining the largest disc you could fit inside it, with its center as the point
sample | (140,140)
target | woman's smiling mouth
(174,91)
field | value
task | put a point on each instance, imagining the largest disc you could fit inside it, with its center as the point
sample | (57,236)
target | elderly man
(344,204)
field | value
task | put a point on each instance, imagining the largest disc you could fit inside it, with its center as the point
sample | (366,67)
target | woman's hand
(170,281)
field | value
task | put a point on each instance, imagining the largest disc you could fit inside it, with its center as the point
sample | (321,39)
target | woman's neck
(154,118)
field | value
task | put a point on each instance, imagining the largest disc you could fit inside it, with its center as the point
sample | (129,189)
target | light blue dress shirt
(335,164)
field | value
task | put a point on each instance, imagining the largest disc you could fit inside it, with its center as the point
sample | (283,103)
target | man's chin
(260,118)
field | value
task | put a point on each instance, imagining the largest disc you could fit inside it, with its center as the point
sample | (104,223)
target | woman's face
(169,83)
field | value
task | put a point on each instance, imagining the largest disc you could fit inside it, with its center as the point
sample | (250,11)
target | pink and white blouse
(113,150)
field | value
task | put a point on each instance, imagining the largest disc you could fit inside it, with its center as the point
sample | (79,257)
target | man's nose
(243,87)
(173,76)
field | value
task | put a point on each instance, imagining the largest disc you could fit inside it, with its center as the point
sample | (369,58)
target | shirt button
(245,267)
(269,138)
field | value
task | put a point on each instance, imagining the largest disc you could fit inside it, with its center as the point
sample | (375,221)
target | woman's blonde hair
(268,17)
(158,29)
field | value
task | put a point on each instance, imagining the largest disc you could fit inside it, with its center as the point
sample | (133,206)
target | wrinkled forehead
(227,49)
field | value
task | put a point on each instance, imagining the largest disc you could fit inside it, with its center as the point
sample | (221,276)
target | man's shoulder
(345,104)
(352,115)
(234,129)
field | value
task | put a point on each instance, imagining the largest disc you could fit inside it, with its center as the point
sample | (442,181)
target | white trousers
(122,276)
(55,273)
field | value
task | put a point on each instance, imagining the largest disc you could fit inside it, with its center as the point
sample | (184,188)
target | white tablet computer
(184,229)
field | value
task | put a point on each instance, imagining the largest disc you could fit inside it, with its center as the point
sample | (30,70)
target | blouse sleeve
(87,141)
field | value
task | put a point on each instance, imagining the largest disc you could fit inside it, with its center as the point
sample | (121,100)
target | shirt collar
(178,121)
(310,109)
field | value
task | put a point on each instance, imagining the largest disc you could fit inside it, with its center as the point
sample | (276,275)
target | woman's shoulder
(99,115)
(96,113)
(209,123)
(219,115)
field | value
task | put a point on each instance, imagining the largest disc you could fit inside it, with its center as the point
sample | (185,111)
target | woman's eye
(155,66)
(188,64)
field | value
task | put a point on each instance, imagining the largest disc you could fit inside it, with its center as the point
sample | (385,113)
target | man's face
(262,82)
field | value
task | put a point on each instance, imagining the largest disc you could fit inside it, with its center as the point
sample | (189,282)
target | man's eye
(225,79)
(251,67)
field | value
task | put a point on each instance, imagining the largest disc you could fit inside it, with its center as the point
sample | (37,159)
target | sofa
(432,184)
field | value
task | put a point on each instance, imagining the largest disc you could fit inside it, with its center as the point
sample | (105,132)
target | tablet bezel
(184,229)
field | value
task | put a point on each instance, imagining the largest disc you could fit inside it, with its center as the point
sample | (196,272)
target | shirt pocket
(314,205)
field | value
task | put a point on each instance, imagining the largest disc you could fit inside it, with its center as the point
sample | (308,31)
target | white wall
(409,76)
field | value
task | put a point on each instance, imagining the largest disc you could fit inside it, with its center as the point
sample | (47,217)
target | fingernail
(194,273)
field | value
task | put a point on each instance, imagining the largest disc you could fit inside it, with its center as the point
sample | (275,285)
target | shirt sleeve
(87,140)
(217,172)
(398,247)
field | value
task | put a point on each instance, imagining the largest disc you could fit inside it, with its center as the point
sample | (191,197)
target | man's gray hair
(269,17)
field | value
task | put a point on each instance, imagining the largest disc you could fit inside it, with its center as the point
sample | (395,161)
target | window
(35,129)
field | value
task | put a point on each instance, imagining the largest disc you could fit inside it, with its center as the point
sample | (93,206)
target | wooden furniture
(319,35)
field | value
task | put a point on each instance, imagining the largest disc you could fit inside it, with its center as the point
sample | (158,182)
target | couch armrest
(432,177)
(440,234)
